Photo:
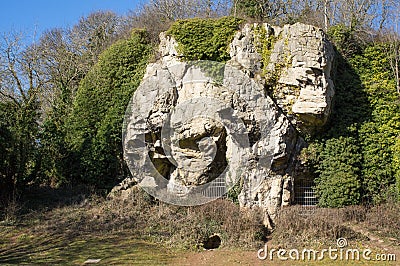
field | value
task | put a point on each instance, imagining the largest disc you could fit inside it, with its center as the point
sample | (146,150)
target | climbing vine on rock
(205,39)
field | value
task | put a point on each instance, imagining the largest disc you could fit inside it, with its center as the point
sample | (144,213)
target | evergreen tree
(95,123)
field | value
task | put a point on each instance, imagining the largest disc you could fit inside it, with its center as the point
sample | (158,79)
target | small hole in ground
(212,242)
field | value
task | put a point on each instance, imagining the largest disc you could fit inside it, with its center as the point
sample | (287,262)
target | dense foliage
(356,159)
(205,39)
(95,123)
(18,145)
(338,180)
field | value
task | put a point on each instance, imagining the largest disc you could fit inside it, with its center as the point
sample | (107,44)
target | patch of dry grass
(182,227)
(319,226)
(169,225)
(384,219)
(297,227)
(79,226)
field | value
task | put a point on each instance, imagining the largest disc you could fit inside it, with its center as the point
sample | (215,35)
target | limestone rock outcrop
(297,70)
(192,126)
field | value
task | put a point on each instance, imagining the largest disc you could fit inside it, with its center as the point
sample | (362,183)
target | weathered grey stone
(298,71)
(185,154)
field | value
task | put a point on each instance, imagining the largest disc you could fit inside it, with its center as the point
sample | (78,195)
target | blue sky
(40,15)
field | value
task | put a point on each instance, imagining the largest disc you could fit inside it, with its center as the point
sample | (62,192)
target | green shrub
(205,39)
(18,144)
(265,45)
(378,135)
(344,39)
(338,183)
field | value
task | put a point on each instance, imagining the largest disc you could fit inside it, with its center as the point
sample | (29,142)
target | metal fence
(216,188)
(304,193)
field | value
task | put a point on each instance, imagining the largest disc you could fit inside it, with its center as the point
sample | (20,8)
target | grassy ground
(20,246)
(63,228)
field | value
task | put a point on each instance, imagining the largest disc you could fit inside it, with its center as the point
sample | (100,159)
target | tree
(20,85)
(94,33)
(393,39)
(395,61)
(67,55)
(396,166)
(260,10)
(95,123)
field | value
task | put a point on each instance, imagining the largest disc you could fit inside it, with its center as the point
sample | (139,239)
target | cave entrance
(212,242)
(304,193)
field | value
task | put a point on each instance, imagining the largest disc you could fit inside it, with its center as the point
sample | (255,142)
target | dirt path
(387,245)
(378,244)
(219,257)
(228,258)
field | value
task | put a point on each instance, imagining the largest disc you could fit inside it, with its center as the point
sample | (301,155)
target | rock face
(193,126)
(297,71)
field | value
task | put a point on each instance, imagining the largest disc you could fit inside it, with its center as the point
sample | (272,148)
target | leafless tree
(394,44)
(20,77)
(157,15)
(59,64)
(94,33)
(65,55)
